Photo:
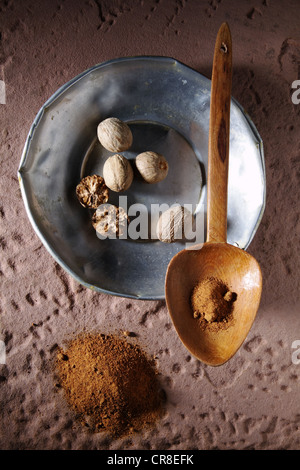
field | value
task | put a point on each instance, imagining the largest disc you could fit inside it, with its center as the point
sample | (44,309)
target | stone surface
(253,400)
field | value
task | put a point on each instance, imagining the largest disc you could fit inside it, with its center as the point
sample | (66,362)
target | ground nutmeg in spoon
(110,384)
(212,303)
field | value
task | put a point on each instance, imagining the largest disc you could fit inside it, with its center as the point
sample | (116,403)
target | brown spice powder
(212,303)
(110,383)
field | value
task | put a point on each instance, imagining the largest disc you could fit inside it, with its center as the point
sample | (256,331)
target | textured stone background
(253,400)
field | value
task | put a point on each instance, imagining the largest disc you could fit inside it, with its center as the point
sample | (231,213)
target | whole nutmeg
(174,224)
(152,166)
(92,191)
(114,134)
(117,173)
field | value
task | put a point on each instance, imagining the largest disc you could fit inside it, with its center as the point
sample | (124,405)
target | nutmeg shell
(92,191)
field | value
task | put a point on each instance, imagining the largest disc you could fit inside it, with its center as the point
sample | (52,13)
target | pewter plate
(166,105)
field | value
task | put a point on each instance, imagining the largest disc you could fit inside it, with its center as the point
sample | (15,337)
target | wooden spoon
(215,258)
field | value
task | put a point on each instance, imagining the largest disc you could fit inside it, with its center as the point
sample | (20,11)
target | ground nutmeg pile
(212,303)
(110,384)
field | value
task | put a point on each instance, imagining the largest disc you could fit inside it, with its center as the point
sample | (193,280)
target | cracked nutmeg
(110,221)
(92,191)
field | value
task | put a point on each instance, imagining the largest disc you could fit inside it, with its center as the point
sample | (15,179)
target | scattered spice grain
(110,383)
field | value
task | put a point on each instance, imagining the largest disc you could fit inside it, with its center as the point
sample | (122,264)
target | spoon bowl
(239,271)
(215,342)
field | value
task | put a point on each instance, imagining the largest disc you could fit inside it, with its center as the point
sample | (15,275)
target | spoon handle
(218,144)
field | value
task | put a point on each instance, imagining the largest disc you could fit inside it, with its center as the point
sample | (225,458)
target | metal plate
(167,106)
